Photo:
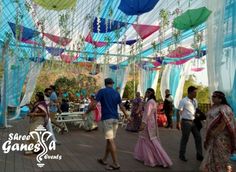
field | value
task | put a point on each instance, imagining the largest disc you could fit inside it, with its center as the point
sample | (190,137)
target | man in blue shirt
(54,108)
(110,99)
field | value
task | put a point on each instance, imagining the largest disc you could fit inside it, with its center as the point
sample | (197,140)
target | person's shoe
(101,161)
(58,143)
(183,158)
(199,157)
(28,152)
(62,130)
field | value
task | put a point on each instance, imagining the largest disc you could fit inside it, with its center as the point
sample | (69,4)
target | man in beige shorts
(110,99)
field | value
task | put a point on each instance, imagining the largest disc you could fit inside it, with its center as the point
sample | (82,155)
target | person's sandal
(112,167)
(101,161)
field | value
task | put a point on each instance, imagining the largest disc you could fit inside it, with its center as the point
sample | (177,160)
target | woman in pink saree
(148,148)
(220,136)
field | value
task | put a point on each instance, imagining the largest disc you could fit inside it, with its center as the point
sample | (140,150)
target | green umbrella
(56,4)
(191,18)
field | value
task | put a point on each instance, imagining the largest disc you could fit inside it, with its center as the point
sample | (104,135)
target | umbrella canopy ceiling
(191,18)
(68,28)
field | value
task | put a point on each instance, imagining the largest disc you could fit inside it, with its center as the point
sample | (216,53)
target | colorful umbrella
(56,4)
(68,58)
(180,52)
(191,18)
(136,7)
(180,62)
(198,69)
(37,59)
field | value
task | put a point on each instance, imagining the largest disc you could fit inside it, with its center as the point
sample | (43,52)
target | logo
(41,136)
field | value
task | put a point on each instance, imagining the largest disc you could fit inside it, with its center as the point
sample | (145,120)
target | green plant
(63,24)
(130,90)
(202,93)
(164,14)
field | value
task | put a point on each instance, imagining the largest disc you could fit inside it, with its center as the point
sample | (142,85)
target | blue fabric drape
(117,73)
(17,64)
(174,79)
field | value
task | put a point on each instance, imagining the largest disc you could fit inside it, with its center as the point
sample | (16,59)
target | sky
(201,77)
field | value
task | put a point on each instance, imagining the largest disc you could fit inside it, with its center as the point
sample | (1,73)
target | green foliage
(75,85)
(129,89)
(65,83)
(202,92)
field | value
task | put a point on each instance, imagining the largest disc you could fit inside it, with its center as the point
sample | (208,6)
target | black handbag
(199,116)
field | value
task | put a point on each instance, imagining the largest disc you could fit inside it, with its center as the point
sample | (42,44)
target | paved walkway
(79,150)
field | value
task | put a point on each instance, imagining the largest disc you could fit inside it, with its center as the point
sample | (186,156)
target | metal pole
(134,80)
(5,76)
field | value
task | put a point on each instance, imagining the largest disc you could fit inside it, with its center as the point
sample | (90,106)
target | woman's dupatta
(225,115)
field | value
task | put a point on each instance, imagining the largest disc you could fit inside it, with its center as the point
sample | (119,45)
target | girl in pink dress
(148,148)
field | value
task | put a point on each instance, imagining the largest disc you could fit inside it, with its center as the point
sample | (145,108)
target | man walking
(54,108)
(187,109)
(168,108)
(110,99)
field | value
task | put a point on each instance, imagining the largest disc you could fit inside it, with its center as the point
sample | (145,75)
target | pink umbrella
(29,42)
(145,31)
(67,58)
(59,40)
(156,63)
(90,40)
(156,68)
(180,52)
(179,62)
(198,69)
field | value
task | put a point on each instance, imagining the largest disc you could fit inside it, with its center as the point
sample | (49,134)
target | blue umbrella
(104,27)
(37,59)
(136,7)
(114,67)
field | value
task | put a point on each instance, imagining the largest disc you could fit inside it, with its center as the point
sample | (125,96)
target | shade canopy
(191,18)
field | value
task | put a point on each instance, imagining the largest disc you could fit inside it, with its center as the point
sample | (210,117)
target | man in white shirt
(187,109)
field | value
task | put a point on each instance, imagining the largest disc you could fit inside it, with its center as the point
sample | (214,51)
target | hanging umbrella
(136,7)
(37,59)
(180,52)
(180,62)
(68,58)
(198,69)
(191,18)
(56,4)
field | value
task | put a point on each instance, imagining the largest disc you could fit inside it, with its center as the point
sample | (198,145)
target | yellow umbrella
(56,4)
